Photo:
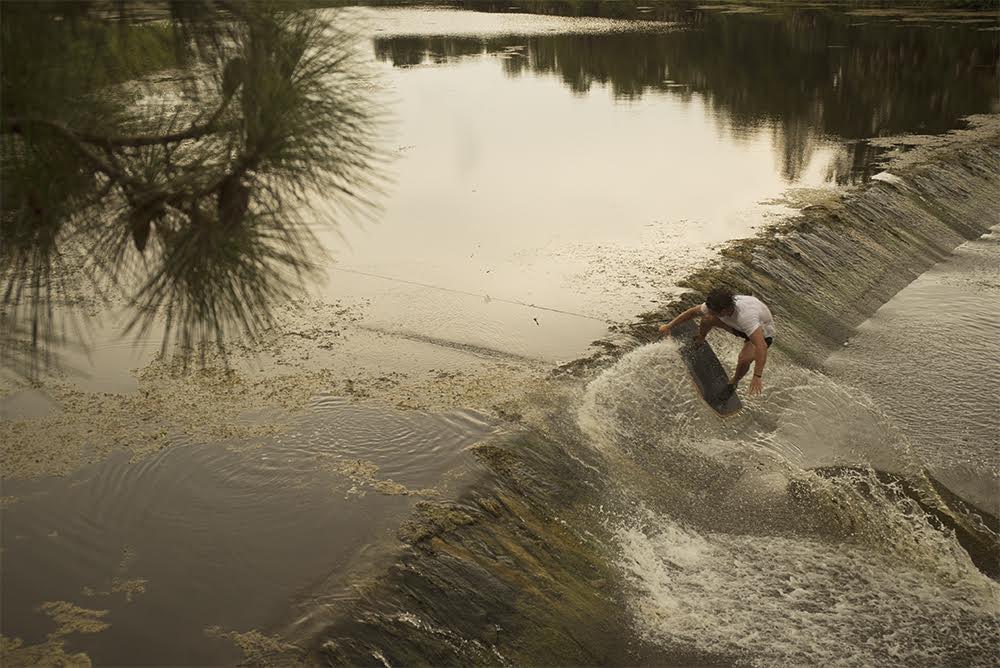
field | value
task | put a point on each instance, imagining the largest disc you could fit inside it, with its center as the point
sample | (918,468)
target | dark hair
(719,299)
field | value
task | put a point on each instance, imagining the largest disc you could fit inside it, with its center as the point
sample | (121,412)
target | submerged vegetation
(170,155)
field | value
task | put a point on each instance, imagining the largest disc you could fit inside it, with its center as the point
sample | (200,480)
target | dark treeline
(660,9)
(809,73)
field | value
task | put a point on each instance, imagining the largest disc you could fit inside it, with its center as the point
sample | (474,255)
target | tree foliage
(178,154)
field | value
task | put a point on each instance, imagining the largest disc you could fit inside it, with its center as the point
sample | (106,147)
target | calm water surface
(202,534)
(586,164)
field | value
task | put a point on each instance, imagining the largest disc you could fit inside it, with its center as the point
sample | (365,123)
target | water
(396,435)
(577,163)
(813,604)
(773,537)
(935,344)
(765,561)
(223,534)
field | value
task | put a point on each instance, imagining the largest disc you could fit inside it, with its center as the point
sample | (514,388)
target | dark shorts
(767,339)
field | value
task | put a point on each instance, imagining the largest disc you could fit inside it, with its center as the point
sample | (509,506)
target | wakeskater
(741,315)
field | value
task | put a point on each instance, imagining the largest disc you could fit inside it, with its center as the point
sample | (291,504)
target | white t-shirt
(749,314)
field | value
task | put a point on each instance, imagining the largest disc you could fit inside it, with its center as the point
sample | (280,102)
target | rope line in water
(514,302)
(441,288)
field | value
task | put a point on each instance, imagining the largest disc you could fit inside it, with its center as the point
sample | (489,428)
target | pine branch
(17,125)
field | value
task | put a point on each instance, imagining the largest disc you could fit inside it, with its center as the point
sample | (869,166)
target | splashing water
(781,601)
(775,535)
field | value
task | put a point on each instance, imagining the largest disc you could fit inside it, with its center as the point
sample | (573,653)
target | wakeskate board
(705,370)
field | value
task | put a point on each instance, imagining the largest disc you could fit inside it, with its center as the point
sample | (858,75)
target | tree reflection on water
(167,151)
(809,73)
(190,198)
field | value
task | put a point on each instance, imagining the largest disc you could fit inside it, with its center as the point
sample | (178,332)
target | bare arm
(692,312)
(759,360)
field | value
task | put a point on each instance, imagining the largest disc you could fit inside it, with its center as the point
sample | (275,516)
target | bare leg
(743,363)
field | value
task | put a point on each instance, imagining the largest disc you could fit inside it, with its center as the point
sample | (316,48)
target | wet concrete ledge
(518,571)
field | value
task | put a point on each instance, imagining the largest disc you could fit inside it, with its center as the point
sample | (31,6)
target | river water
(554,174)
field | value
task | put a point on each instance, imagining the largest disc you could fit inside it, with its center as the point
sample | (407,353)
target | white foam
(784,601)
(887,178)
(804,419)
(644,398)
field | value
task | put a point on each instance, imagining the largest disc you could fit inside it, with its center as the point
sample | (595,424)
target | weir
(617,526)
(828,269)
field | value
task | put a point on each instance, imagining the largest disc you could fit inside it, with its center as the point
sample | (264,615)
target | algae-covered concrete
(518,571)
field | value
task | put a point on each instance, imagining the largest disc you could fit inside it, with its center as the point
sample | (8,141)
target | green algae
(258,648)
(433,519)
(74,619)
(15,654)
(69,619)
(522,578)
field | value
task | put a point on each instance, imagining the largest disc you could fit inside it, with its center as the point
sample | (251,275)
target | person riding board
(742,315)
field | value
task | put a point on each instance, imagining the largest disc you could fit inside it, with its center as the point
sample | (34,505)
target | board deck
(705,369)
